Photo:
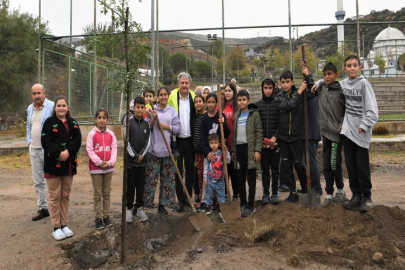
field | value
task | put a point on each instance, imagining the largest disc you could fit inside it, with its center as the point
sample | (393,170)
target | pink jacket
(101,146)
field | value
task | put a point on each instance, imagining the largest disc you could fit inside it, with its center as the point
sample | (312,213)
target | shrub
(380,129)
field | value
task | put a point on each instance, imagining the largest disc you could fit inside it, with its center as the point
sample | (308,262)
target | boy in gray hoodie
(360,117)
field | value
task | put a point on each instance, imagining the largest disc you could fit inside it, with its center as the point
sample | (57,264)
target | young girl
(101,148)
(230,107)
(210,125)
(197,146)
(206,91)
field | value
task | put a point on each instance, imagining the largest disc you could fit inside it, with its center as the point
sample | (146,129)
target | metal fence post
(69,74)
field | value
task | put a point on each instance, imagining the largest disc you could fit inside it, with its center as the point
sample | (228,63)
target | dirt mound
(332,237)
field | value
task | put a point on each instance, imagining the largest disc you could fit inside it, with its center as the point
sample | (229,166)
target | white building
(389,44)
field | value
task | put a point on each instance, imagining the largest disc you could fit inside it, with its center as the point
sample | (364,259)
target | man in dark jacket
(291,130)
(270,157)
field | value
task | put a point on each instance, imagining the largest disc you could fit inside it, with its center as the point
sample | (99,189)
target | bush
(380,129)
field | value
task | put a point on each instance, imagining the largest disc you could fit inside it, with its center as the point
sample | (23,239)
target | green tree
(380,62)
(339,56)
(217,47)
(401,62)
(309,56)
(178,62)
(202,68)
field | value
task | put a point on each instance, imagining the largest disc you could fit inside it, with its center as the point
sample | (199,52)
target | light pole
(212,38)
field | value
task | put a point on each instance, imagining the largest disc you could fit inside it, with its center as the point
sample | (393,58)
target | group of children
(266,134)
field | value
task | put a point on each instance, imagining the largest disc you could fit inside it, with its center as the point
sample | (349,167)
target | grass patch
(391,116)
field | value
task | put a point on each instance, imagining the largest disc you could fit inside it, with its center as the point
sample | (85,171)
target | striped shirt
(197,140)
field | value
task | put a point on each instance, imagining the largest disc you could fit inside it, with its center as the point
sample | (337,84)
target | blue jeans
(219,188)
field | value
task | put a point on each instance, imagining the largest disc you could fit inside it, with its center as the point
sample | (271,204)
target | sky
(191,14)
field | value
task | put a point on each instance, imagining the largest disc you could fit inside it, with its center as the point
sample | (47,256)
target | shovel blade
(230,210)
(200,221)
(304,200)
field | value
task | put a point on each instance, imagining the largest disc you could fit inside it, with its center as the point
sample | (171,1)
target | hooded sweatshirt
(166,116)
(139,142)
(269,114)
(361,110)
(101,146)
(331,109)
(210,125)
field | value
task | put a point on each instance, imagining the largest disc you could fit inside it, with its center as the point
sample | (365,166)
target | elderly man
(38,112)
(198,90)
(182,99)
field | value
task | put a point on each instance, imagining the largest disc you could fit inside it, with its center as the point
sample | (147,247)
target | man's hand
(314,89)
(210,157)
(257,157)
(302,87)
(340,127)
(361,130)
(221,119)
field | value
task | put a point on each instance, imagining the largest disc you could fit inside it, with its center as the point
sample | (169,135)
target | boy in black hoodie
(290,131)
(270,157)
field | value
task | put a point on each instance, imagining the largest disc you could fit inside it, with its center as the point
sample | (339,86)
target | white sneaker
(129,216)
(58,235)
(141,214)
(68,232)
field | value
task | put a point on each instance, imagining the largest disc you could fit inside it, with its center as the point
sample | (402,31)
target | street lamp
(212,38)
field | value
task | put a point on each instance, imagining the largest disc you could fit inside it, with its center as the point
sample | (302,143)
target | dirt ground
(285,236)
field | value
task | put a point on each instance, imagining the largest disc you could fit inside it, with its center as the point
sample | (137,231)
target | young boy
(214,172)
(270,156)
(138,145)
(291,130)
(149,96)
(331,115)
(360,117)
(247,145)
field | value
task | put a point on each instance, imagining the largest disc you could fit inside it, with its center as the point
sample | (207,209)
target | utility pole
(358,28)
(71,23)
(223,42)
(157,42)
(152,62)
(289,32)
(95,106)
(39,43)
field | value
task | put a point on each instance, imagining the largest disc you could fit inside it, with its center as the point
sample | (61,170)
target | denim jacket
(46,112)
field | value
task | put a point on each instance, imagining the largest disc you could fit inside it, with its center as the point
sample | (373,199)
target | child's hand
(221,119)
(304,70)
(257,157)
(224,148)
(154,113)
(140,159)
(233,156)
(302,87)
(148,112)
(303,62)
(340,127)
(206,182)
(164,126)
(272,142)
(314,89)
(104,165)
(210,157)
(361,130)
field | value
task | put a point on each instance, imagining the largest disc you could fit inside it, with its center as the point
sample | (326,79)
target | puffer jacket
(254,131)
(291,127)
(331,109)
(101,146)
(269,114)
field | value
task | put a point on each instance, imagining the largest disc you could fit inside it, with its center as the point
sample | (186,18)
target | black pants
(243,173)
(291,155)
(270,158)
(234,178)
(135,181)
(332,164)
(196,188)
(358,167)
(313,163)
(186,155)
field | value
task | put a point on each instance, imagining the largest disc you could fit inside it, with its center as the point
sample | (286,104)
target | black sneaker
(326,202)
(366,204)
(265,199)
(99,224)
(243,209)
(283,188)
(248,212)
(197,198)
(302,190)
(201,207)
(41,214)
(275,199)
(180,207)
(292,198)
(354,202)
(208,210)
(107,222)
(162,210)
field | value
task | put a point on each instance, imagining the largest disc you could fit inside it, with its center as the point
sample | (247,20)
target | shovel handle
(174,163)
(221,128)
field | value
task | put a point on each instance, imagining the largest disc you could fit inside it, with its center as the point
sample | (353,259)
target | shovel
(310,199)
(200,220)
(230,210)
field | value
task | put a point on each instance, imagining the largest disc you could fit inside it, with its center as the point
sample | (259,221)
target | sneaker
(265,199)
(180,207)
(107,222)
(235,198)
(283,188)
(58,235)
(275,199)
(354,202)
(339,197)
(326,202)
(141,214)
(208,209)
(243,209)
(201,207)
(162,210)
(366,204)
(248,212)
(197,198)
(134,209)
(129,216)
(99,224)
(68,232)
(292,198)
(304,190)
(41,214)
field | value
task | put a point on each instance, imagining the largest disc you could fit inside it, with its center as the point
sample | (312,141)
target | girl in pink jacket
(102,151)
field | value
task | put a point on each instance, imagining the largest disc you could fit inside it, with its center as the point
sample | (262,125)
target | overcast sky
(188,14)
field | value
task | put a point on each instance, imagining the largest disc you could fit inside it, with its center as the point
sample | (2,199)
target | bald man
(40,109)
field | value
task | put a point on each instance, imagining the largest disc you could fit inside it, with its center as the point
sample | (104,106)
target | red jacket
(101,146)
(228,111)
